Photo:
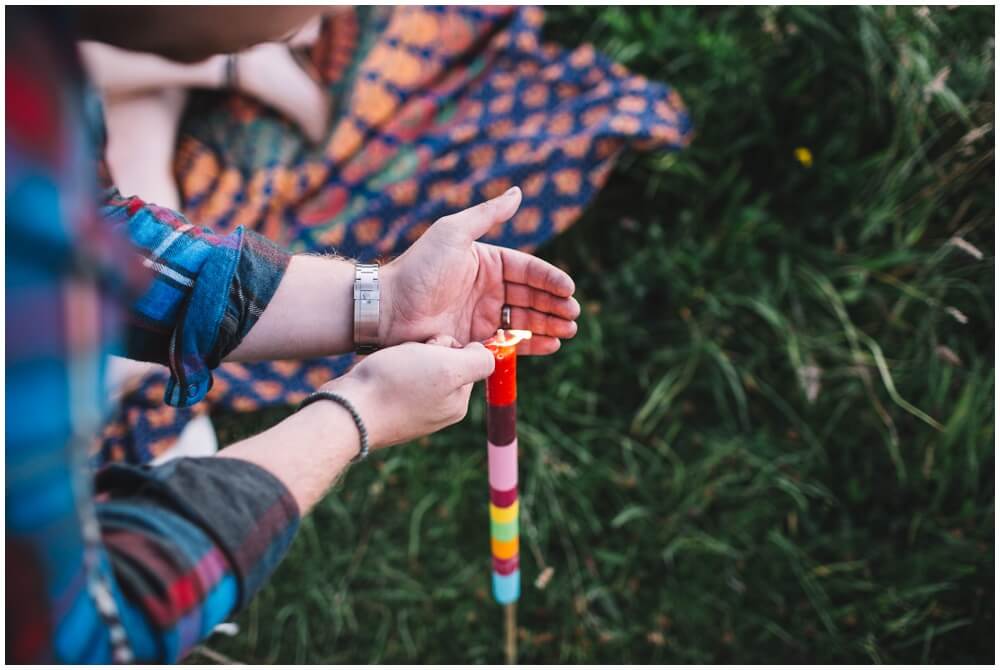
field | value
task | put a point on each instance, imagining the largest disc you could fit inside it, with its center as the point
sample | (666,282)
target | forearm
(311,313)
(119,72)
(232,298)
(307,452)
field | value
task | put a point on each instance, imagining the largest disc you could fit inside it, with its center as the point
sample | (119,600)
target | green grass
(772,439)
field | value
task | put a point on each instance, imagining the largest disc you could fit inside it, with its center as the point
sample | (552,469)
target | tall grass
(772,440)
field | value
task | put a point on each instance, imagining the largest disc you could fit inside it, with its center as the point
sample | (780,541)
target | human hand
(411,390)
(449,283)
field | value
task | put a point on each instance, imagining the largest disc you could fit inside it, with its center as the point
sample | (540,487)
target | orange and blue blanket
(435,109)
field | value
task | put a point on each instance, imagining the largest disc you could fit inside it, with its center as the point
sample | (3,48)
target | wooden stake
(510,633)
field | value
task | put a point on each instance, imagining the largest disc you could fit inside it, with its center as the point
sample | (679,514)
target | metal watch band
(366,308)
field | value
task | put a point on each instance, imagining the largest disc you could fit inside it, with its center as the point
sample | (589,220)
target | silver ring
(505,317)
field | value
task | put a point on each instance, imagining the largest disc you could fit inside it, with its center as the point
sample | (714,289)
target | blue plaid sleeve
(143,564)
(206,293)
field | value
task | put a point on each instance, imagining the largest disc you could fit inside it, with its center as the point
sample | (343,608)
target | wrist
(367,299)
(360,393)
(332,429)
(387,289)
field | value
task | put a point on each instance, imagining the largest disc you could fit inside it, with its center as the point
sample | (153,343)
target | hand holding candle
(411,390)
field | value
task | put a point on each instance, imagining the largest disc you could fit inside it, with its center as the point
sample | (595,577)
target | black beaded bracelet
(343,402)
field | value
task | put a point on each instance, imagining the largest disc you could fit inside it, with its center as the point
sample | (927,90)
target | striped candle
(501,437)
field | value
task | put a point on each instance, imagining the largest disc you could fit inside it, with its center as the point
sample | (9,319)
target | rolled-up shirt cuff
(233,288)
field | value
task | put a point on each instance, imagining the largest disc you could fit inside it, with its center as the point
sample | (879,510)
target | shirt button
(193,390)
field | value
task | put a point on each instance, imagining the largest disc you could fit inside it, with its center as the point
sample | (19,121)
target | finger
(539,345)
(522,268)
(472,223)
(445,341)
(541,323)
(522,295)
(462,397)
(475,362)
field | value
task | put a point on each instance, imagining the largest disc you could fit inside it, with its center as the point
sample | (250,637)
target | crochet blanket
(435,109)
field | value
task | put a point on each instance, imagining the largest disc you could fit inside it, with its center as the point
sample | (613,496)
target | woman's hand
(449,283)
(411,390)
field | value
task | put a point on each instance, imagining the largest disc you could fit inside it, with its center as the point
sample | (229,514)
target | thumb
(475,362)
(472,223)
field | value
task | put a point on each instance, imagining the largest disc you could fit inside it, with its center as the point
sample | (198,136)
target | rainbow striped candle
(501,438)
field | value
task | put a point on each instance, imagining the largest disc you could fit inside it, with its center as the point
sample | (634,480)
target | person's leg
(141,130)
(267,69)
(144,98)
(142,134)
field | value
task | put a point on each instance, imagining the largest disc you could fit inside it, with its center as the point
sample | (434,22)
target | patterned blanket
(435,109)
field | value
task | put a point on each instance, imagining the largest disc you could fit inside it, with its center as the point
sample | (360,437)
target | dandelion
(804,156)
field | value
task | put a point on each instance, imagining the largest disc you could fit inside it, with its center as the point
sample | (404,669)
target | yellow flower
(804,156)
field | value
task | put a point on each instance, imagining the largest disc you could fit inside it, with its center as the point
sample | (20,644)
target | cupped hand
(447,283)
(411,390)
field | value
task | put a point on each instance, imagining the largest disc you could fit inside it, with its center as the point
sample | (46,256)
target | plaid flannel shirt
(135,563)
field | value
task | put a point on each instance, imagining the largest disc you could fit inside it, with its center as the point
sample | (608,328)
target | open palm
(449,284)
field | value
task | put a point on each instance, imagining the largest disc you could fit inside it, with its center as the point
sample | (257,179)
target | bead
(501,423)
(503,498)
(507,588)
(503,566)
(505,548)
(502,465)
(504,514)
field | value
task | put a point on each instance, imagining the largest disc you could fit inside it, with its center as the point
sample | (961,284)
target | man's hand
(445,284)
(411,390)
(401,393)
(449,283)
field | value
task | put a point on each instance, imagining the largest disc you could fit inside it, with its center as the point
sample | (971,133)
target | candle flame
(508,338)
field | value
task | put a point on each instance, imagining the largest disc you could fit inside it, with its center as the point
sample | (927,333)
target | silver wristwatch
(366,308)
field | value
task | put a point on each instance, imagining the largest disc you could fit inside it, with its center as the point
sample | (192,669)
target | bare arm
(307,452)
(311,313)
(444,284)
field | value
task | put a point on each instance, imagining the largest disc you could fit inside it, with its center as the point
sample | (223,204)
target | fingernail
(510,192)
